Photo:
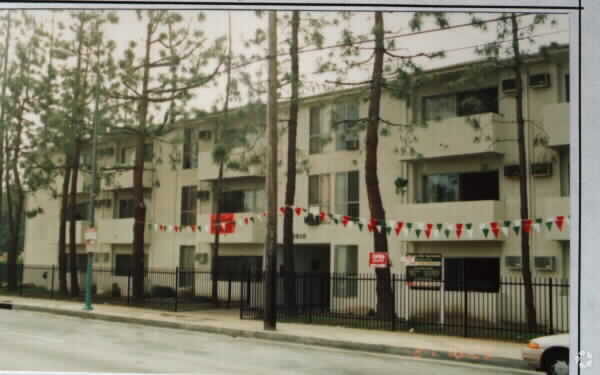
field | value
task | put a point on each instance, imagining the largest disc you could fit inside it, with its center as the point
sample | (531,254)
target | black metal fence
(173,289)
(442,307)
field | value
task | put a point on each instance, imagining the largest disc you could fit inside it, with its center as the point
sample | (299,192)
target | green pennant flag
(549,225)
(447,233)
(516,229)
(388,230)
(485,231)
(439,227)
(360,226)
(418,232)
(409,226)
(507,223)
(539,221)
(335,220)
(469,226)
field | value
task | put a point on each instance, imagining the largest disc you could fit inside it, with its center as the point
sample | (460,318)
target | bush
(163,291)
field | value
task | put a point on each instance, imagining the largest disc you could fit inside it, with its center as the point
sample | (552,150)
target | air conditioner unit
(509,86)
(541,169)
(203,195)
(512,170)
(513,262)
(539,81)
(546,263)
(205,134)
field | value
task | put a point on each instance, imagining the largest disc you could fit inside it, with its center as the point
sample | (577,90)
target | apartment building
(462,170)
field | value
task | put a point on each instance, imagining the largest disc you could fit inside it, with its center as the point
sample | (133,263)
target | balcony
(209,170)
(124,180)
(458,136)
(80,227)
(244,233)
(475,212)
(557,124)
(118,231)
(557,206)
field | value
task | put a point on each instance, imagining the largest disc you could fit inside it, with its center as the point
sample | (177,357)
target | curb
(477,359)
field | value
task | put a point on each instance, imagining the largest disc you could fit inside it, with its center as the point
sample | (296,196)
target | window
(126,155)
(346,265)
(565,172)
(346,194)
(238,267)
(315,146)
(440,107)
(319,191)
(81,211)
(190,149)
(243,201)
(345,117)
(188,205)
(478,274)
(126,209)
(148,152)
(473,186)
(124,263)
(186,266)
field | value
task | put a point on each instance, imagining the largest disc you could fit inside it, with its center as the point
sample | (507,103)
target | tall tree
(181,51)
(506,53)
(6,52)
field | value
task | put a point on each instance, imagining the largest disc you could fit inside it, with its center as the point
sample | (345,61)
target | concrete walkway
(227,322)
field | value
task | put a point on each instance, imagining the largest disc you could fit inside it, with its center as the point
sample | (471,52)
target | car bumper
(532,357)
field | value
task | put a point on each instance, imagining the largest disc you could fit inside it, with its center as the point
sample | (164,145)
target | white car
(549,354)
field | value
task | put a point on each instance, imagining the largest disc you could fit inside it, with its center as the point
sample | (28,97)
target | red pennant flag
(298,211)
(322,216)
(372,224)
(176,228)
(193,227)
(527,225)
(428,229)
(345,220)
(162,228)
(246,220)
(495,228)
(282,209)
(459,230)
(560,221)
(398,228)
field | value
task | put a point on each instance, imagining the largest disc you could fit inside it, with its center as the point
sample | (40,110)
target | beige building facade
(461,170)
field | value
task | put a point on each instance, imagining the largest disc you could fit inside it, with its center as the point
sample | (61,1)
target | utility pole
(270,258)
(92,205)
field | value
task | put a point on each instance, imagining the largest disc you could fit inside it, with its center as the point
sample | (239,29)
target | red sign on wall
(379,259)
(226,223)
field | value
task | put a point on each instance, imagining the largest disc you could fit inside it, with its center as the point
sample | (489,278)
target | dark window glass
(567,89)
(122,264)
(238,267)
(440,107)
(315,130)
(345,117)
(188,205)
(148,152)
(475,186)
(477,274)
(126,209)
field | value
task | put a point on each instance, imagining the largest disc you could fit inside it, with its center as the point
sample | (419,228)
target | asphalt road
(32,341)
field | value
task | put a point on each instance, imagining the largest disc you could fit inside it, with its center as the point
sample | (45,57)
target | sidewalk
(227,321)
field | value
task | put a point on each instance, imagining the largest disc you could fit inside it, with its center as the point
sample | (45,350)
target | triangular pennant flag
(428,229)
(388,229)
(360,226)
(298,211)
(527,225)
(378,228)
(398,228)
(459,230)
(505,231)
(447,232)
(282,210)
(322,216)
(469,226)
(485,230)
(517,226)
(495,228)
(345,220)
(560,221)
(409,226)
(194,227)
(418,232)
(246,220)
(439,226)
(156,227)
(549,223)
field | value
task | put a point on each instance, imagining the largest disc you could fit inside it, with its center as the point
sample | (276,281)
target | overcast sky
(244,24)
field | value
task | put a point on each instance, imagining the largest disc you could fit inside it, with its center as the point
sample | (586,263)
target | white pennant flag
(536,227)
(379,228)
(505,231)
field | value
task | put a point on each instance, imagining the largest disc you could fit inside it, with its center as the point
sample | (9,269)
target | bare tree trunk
(214,266)
(72,221)
(525,251)
(62,228)
(11,261)
(3,109)
(270,259)
(290,192)
(384,291)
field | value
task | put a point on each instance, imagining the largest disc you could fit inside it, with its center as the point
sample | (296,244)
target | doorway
(186,266)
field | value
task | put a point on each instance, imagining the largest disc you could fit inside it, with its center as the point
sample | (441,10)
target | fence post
(21,277)
(310,300)
(128,285)
(466,307)
(52,283)
(176,287)
(551,301)
(229,291)
(393,307)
